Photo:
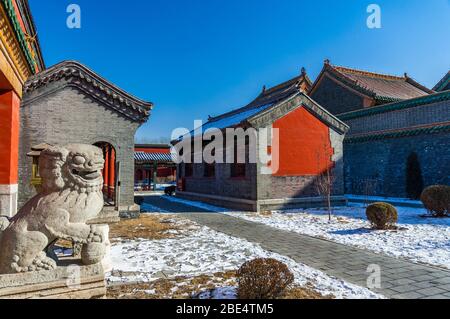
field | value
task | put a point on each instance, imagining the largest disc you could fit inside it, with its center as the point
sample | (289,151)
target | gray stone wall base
(299,203)
(55,284)
(222,201)
(261,205)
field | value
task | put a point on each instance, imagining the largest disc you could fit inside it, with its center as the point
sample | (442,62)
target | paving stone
(442,280)
(403,288)
(408,295)
(424,284)
(402,281)
(432,291)
(423,278)
(436,297)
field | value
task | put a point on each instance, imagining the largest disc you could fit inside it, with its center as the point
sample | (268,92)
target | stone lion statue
(71,196)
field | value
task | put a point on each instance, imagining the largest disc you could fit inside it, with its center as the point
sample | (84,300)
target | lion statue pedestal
(70,198)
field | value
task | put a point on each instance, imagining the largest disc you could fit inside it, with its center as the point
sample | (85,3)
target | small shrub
(436,200)
(263,278)
(382,215)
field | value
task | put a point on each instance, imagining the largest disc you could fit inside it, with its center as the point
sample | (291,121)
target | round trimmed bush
(263,278)
(436,200)
(382,215)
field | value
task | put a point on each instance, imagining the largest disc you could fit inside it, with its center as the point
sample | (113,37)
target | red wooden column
(106,171)
(112,168)
(9,150)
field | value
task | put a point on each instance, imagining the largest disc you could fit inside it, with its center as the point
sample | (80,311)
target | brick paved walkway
(400,278)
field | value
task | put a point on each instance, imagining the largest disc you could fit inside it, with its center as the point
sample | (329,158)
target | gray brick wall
(222,183)
(384,162)
(69,116)
(336,98)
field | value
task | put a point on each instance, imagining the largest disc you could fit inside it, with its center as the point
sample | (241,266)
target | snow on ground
(202,250)
(161,187)
(219,293)
(146,207)
(425,240)
(201,205)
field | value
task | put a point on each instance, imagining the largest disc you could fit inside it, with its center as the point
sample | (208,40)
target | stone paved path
(399,278)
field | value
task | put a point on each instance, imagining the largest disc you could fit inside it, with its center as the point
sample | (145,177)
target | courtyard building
(20,58)
(153,165)
(399,130)
(69,103)
(309,144)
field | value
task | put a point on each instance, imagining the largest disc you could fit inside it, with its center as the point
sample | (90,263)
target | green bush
(382,215)
(263,278)
(436,200)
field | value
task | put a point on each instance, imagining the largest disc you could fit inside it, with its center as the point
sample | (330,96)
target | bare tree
(324,187)
(369,187)
(325,181)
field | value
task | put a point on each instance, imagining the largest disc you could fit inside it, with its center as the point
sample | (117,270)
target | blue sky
(195,58)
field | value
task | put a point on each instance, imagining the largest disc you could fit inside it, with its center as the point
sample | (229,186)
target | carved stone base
(66,282)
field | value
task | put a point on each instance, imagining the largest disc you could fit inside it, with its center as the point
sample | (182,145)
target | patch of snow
(148,208)
(161,187)
(393,200)
(425,240)
(382,198)
(234,119)
(205,251)
(219,293)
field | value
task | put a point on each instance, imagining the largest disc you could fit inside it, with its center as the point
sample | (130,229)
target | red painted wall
(9,137)
(304,144)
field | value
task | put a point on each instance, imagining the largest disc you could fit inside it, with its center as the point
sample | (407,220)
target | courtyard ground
(169,256)
(400,278)
(418,239)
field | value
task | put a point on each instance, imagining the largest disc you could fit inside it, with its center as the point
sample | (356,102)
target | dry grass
(187,287)
(146,227)
(171,288)
(266,213)
(342,220)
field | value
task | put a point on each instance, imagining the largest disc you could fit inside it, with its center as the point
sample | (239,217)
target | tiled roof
(382,87)
(152,157)
(444,83)
(413,131)
(265,100)
(395,106)
(75,74)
